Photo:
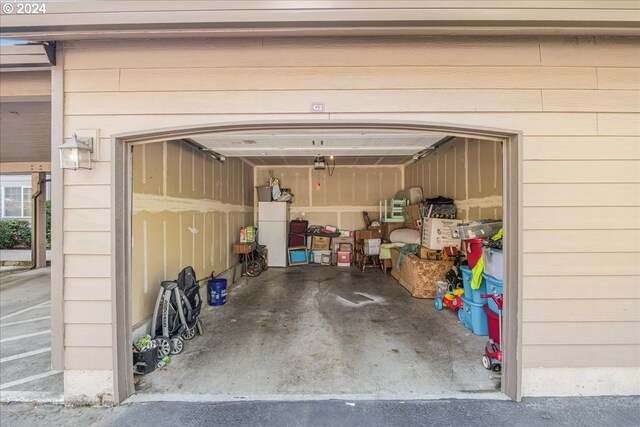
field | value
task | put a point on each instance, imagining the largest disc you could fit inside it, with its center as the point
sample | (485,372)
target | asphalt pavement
(595,411)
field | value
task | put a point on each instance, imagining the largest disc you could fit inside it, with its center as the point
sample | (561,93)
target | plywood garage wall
(466,170)
(187,209)
(576,101)
(342,197)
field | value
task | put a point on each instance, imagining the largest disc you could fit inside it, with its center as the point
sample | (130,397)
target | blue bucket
(217,291)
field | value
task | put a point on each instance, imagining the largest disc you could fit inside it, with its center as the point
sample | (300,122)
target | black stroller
(178,305)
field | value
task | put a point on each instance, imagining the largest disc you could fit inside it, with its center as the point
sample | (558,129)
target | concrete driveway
(25,339)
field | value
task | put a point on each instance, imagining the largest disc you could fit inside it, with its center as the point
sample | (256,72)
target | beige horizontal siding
(76,242)
(585,310)
(87,196)
(618,78)
(575,100)
(586,171)
(573,333)
(580,356)
(87,220)
(572,241)
(87,265)
(581,218)
(580,287)
(627,101)
(87,289)
(88,335)
(309,52)
(581,194)
(327,78)
(100,174)
(92,80)
(581,148)
(571,264)
(88,357)
(619,124)
(90,312)
(242,102)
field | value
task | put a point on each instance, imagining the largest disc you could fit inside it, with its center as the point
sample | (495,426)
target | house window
(16,202)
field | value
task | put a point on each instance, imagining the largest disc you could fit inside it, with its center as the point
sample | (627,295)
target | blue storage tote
(464,317)
(495,287)
(472,294)
(475,312)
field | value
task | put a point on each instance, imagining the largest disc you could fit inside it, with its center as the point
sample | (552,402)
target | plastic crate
(372,246)
(477,231)
(477,317)
(494,286)
(264,194)
(493,262)
(472,294)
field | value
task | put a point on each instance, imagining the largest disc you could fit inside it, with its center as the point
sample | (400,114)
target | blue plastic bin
(478,317)
(472,294)
(465,318)
(494,286)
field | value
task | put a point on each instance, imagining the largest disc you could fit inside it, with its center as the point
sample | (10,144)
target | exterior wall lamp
(75,153)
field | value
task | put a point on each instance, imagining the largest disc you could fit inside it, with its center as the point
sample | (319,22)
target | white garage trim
(121,226)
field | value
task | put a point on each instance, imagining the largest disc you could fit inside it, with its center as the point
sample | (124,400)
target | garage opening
(318,323)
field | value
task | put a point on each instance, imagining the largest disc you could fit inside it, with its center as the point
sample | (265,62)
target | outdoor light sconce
(75,153)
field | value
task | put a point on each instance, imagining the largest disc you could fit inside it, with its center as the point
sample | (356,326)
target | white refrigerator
(273,221)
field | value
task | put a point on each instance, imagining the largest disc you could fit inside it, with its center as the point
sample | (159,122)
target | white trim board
(580,381)
(192,397)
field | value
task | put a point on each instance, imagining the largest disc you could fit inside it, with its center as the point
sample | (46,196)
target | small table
(245,256)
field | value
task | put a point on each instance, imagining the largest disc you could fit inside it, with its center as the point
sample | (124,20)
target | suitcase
(298,227)
(297,240)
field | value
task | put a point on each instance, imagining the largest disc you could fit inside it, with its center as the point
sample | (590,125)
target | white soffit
(358,144)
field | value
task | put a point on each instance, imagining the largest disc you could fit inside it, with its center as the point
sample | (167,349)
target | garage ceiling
(357,148)
(25,131)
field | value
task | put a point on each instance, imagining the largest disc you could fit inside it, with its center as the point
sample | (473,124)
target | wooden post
(39,220)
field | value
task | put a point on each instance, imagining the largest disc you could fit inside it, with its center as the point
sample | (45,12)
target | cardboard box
(368,234)
(320,243)
(412,218)
(425,253)
(387,228)
(438,233)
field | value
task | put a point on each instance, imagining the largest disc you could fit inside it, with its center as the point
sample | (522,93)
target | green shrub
(14,233)
(23,231)
(6,235)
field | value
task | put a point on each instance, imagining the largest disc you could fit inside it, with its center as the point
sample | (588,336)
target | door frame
(121,213)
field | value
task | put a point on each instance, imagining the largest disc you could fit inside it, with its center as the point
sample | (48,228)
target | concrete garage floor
(25,338)
(320,332)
